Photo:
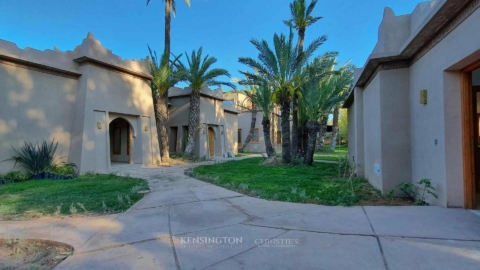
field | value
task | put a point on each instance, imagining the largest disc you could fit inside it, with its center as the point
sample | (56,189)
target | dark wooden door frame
(469,135)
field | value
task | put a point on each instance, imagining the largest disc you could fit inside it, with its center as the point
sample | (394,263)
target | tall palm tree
(249,92)
(280,68)
(164,73)
(261,97)
(343,91)
(199,74)
(169,7)
(301,19)
(321,95)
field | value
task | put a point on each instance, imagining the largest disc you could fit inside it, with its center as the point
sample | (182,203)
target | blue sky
(222,27)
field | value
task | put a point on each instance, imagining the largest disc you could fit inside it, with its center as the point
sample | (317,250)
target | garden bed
(318,184)
(90,194)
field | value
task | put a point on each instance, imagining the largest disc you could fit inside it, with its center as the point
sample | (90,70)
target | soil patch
(32,254)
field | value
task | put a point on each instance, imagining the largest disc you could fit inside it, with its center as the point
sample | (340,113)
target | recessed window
(256,135)
(239,136)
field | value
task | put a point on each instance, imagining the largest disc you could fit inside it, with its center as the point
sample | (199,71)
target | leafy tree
(300,20)
(199,74)
(281,68)
(164,73)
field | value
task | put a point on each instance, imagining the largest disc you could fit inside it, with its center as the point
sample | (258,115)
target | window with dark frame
(256,135)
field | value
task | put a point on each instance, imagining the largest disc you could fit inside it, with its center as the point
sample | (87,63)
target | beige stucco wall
(395,128)
(35,106)
(359,133)
(231,126)
(63,95)
(351,134)
(243,104)
(212,115)
(244,123)
(124,95)
(416,141)
(372,129)
(440,119)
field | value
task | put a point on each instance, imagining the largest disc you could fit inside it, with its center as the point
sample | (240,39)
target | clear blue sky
(222,27)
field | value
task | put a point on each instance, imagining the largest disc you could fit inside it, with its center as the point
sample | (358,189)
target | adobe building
(257,144)
(414,111)
(97,106)
(217,133)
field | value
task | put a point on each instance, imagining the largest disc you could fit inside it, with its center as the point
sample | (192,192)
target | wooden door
(211,141)
(469,136)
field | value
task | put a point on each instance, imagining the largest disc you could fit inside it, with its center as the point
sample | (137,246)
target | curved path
(165,230)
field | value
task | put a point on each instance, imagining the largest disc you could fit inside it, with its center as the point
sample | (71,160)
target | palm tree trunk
(295,131)
(266,135)
(285,114)
(312,127)
(162,128)
(299,144)
(322,131)
(335,129)
(168,19)
(193,121)
(302,140)
(158,122)
(252,128)
(295,125)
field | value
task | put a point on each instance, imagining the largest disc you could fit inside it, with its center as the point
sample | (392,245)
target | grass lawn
(318,184)
(244,154)
(333,156)
(88,194)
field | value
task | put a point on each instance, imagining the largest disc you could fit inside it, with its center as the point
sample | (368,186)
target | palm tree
(260,96)
(280,68)
(199,74)
(301,19)
(164,73)
(169,7)
(343,93)
(336,111)
(320,95)
(249,92)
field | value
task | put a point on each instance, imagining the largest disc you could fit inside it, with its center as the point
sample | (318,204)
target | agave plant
(36,158)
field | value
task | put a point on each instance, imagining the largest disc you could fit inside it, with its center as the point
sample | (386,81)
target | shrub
(63,169)
(35,158)
(420,192)
(15,176)
(345,168)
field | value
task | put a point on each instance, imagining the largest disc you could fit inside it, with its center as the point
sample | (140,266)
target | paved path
(163,229)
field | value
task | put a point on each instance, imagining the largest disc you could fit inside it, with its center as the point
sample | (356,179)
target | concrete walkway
(167,230)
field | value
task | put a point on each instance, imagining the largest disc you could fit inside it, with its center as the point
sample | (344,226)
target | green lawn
(245,154)
(95,193)
(318,184)
(333,156)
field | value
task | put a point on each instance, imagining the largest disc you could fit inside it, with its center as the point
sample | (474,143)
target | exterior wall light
(146,128)
(423,97)
(99,125)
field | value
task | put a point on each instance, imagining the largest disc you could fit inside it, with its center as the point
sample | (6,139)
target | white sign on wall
(376,169)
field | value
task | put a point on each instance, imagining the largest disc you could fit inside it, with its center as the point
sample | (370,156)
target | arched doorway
(211,141)
(120,141)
